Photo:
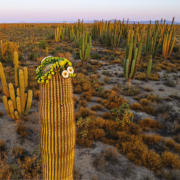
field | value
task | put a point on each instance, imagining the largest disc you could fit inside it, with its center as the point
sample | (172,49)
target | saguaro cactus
(57,118)
(17,101)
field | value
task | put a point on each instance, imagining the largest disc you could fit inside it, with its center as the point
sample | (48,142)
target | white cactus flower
(70,70)
(65,74)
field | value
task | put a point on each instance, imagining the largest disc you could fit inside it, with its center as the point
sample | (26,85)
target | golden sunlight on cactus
(57,119)
(17,98)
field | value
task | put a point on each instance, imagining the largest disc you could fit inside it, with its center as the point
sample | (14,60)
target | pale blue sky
(59,10)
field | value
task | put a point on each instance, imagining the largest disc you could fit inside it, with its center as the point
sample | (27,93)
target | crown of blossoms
(50,66)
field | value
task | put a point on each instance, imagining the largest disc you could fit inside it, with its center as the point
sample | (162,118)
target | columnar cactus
(17,101)
(149,68)
(167,45)
(57,118)
(132,56)
(85,48)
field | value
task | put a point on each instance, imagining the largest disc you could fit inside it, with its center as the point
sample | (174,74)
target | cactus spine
(15,98)
(57,121)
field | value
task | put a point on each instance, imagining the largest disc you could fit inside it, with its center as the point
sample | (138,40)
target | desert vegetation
(125,96)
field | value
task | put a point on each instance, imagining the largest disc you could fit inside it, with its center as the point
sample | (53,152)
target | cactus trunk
(58,128)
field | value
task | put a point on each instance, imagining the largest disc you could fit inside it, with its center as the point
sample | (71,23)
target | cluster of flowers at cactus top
(50,66)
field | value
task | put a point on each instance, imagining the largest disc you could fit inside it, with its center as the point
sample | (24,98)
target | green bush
(53,52)
(95,56)
(51,36)
(42,44)
(176,48)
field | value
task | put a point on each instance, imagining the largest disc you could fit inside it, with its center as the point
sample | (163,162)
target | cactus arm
(15,67)
(132,68)
(4,98)
(16,115)
(127,66)
(149,67)
(3,81)
(10,104)
(21,80)
(25,79)
(12,94)
(29,100)
(18,101)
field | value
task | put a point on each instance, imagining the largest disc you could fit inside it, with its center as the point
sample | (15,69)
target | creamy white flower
(65,74)
(70,70)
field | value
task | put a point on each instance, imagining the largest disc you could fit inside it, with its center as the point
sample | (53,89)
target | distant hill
(112,20)
(22,22)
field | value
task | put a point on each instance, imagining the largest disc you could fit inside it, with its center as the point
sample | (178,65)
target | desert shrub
(144,101)
(107,79)
(84,112)
(111,155)
(135,106)
(142,76)
(75,98)
(53,52)
(107,115)
(98,100)
(2,146)
(87,95)
(42,44)
(176,48)
(131,91)
(4,167)
(83,103)
(21,130)
(98,133)
(51,36)
(171,84)
(1,113)
(170,160)
(149,109)
(31,168)
(177,147)
(150,123)
(152,160)
(97,107)
(17,151)
(78,90)
(123,115)
(95,56)
(147,89)
(151,139)
(169,142)
(76,174)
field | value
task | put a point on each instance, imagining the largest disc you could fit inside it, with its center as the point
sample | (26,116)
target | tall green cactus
(85,48)
(149,66)
(57,118)
(132,56)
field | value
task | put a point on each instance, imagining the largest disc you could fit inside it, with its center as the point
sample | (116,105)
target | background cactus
(167,45)
(149,68)
(85,48)
(57,118)
(132,56)
(17,101)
